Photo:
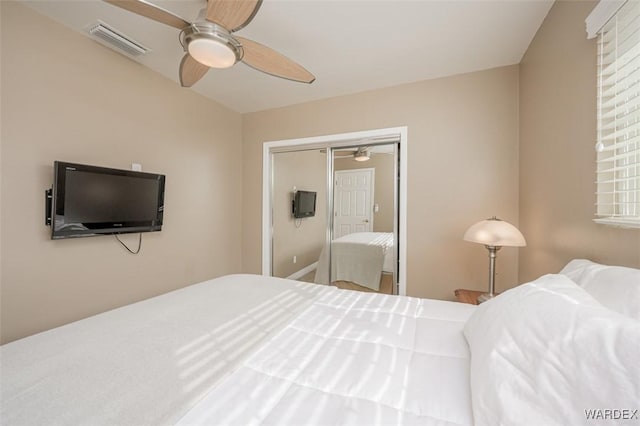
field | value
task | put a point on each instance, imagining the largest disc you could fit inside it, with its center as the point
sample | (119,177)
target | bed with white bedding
(247,349)
(163,360)
(360,257)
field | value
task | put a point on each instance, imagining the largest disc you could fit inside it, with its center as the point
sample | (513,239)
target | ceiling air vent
(116,40)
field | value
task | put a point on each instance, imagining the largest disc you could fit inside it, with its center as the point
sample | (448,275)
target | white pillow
(616,287)
(546,353)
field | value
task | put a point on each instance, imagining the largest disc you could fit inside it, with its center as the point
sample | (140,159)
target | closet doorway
(355,236)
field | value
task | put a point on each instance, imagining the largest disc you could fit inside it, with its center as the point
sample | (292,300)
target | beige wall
(463,167)
(65,97)
(557,157)
(383,186)
(303,238)
(1,104)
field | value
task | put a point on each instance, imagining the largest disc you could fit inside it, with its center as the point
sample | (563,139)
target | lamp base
(484,297)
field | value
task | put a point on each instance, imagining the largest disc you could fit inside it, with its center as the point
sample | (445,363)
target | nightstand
(468,296)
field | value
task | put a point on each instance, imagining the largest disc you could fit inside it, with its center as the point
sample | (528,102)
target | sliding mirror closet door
(299,200)
(363,249)
(358,181)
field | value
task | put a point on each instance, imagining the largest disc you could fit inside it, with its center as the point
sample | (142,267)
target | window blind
(618,139)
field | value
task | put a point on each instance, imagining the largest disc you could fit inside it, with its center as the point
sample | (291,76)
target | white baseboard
(304,271)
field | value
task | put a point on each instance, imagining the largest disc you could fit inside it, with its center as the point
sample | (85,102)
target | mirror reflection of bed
(360,261)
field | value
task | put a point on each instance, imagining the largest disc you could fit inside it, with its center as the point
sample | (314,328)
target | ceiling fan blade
(191,71)
(151,11)
(232,14)
(269,61)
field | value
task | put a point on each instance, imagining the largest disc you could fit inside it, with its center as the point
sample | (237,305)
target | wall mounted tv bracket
(48,206)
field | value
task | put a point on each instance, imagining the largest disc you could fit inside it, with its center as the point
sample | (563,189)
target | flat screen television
(304,204)
(90,201)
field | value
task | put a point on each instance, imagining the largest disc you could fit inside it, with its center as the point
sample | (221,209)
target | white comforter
(353,358)
(147,363)
(246,349)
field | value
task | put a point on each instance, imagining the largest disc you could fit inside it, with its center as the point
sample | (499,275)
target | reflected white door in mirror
(353,198)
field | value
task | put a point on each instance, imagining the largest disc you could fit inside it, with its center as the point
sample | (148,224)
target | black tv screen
(304,204)
(90,200)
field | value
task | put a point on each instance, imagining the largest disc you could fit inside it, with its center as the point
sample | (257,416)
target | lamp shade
(495,232)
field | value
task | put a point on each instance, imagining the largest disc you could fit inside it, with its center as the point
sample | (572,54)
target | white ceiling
(350,46)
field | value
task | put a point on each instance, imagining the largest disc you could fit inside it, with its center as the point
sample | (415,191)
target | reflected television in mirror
(304,204)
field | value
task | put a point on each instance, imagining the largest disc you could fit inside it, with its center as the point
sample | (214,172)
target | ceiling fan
(209,42)
(361,153)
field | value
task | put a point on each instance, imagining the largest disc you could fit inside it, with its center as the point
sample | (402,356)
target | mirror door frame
(367,137)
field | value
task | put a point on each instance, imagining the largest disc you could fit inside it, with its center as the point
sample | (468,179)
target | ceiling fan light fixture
(211,45)
(211,52)
(361,156)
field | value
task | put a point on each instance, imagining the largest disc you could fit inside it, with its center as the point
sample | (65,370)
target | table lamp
(494,234)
